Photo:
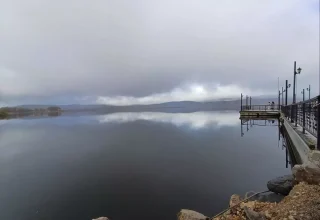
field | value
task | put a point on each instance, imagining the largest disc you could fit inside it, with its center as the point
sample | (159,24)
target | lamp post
(309,89)
(295,72)
(303,114)
(282,90)
(241,102)
(246,102)
(279,100)
(287,87)
(281,94)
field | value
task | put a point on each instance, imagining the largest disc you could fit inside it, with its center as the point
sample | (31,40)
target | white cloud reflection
(195,120)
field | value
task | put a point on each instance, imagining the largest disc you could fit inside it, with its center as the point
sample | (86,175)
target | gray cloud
(137,48)
(193,92)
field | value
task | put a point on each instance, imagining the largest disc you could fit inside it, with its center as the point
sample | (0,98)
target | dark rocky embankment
(301,201)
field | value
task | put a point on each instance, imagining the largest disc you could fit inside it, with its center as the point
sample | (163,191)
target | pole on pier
(241,102)
(309,91)
(296,116)
(279,101)
(303,114)
(318,123)
(246,102)
(294,83)
(294,88)
(286,103)
(282,96)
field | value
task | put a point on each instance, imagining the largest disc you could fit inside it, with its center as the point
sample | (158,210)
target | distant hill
(182,106)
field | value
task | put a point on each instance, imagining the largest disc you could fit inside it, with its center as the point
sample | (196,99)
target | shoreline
(303,202)
(301,198)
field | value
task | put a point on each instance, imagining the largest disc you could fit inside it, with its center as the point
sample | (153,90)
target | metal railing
(305,114)
(260,107)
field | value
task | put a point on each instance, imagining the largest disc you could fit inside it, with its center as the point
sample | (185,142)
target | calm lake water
(132,165)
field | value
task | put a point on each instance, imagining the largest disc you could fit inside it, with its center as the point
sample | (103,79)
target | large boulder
(309,173)
(314,157)
(186,214)
(281,185)
(267,197)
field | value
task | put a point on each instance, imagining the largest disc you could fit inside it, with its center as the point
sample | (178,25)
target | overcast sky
(148,51)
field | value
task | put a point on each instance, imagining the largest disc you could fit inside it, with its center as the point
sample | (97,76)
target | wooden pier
(259,111)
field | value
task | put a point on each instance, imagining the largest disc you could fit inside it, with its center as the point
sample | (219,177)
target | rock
(309,173)
(252,215)
(249,204)
(234,200)
(186,214)
(291,217)
(314,157)
(267,214)
(267,197)
(281,185)
(101,218)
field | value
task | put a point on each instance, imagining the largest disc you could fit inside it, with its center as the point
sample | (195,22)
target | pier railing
(305,114)
(260,107)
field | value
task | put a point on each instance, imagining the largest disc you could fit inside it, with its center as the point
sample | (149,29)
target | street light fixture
(299,70)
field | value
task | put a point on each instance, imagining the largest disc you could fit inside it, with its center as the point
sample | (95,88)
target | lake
(138,165)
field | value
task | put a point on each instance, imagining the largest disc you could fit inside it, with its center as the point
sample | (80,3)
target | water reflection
(35,114)
(195,120)
(247,123)
(95,166)
(250,122)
